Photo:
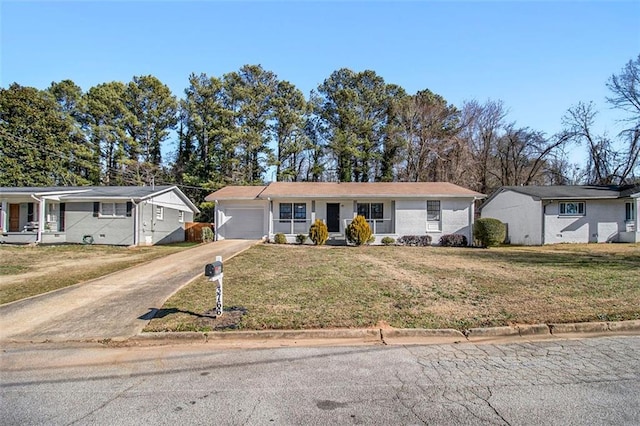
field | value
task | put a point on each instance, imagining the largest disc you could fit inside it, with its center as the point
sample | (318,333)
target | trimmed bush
(280,238)
(415,240)
(453,240)
(372,239)
(489,231)
(207,234)
(301,238)
(387,241)
(358,232)
(318,233)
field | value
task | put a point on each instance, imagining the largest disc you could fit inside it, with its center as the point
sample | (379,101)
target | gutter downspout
(544,221)
(41,218)
(136,223)
(216,220)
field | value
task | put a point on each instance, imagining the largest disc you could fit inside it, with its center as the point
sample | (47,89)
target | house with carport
(392,209)
(537,215)
(114,215)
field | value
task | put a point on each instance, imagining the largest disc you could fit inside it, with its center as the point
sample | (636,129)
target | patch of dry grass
(298,287)
(30,270)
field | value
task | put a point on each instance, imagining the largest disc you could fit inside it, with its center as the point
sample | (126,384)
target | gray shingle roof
(136,193)
(573,191)
(77,192)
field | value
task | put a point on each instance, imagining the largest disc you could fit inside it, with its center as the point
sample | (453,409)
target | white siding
(455,218)
(603,221)
(411,217)
(521,213)
(171,200)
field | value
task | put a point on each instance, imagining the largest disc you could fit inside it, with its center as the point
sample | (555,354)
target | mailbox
(213,269)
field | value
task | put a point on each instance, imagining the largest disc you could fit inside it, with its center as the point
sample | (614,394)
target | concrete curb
(388,336)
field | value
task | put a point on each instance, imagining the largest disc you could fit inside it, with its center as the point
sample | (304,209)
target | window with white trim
(630,211)
(159,212)
(433,211)
(371,210)
(180,216)
(52,212)
(572,208)
(433,215)
(297,211)
(113,209)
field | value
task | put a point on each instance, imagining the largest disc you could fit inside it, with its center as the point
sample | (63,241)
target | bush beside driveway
(301,287)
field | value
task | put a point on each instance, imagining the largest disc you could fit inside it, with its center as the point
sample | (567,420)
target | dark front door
(14,217)
(333,217)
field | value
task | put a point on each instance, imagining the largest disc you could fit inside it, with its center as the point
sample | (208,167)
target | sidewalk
(109,307)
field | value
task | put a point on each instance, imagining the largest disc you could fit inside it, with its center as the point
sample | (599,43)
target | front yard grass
(29,270)
(300,287)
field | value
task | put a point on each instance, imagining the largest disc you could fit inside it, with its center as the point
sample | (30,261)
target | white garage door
(244,223)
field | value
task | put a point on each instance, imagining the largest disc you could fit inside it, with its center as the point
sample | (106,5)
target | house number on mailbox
(214,272)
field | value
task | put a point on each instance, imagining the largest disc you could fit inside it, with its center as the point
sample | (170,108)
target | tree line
(249,126)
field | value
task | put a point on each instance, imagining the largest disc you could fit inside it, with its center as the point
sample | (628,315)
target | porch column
(270,225)
(472,219)
(393,216)
(4,216)
(41,218)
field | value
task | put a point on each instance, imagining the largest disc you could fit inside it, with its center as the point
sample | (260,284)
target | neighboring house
(392,209)
(537,215)
(117,215)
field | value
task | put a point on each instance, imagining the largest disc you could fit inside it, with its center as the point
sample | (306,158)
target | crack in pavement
(107,402)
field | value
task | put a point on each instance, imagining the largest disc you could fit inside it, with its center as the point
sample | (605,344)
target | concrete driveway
(110,307)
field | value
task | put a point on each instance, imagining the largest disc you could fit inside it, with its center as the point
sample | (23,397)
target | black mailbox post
(213,269)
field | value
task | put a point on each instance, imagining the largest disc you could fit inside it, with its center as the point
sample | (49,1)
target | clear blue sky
(540,58)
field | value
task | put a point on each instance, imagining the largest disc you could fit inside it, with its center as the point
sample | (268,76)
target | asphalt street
(550,382)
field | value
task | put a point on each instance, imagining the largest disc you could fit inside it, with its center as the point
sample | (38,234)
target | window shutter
(129,208)
(96,209)
(61,218)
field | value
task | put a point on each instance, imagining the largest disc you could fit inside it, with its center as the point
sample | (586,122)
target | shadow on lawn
(161,313)
(207,321)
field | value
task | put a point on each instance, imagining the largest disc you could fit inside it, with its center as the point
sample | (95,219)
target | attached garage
(245,223)
(240,214)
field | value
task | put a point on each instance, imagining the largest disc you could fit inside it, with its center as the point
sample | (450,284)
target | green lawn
(298,287)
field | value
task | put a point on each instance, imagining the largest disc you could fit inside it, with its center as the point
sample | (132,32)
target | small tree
(358,231)
(318,233)
(489,231)
(207,234)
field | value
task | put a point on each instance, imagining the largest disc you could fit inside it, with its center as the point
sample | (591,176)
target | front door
(14,217)
(333,217)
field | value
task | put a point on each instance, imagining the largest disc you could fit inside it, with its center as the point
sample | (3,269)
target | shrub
(280,238)
(301,238)
(372,239)
(415,240)
(453,240)
(387,241)
(358,232)
(207,234)
(318,233)
(489,231)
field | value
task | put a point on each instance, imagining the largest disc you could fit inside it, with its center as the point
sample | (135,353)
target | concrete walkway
(110,307)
